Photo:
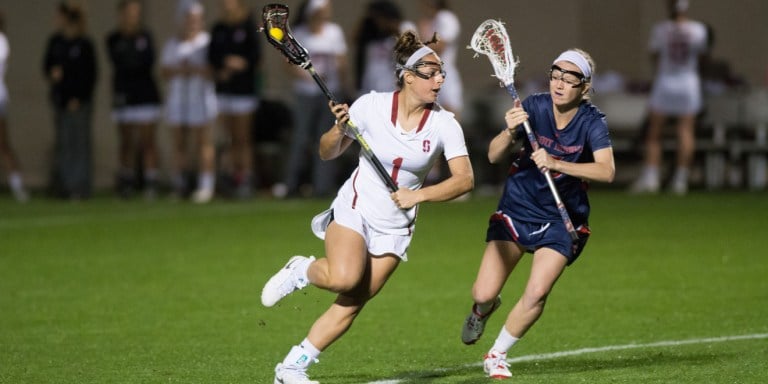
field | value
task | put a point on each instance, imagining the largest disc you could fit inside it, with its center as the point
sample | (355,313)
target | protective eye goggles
(434,72)
(572,78)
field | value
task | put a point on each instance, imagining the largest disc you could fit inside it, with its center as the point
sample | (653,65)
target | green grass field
(669,290)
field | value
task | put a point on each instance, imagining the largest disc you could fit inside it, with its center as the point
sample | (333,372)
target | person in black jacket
(70,68)
(234,55)
(135,98)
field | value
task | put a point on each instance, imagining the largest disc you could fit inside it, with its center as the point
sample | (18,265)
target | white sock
(504,341)
(302,355)
(681,175)
(303,269)
(14,181)
(206,181)
(651,173)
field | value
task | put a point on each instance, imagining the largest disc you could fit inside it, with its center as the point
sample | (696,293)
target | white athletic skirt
(137,114)
(676,95)
(236,104)
(378,243)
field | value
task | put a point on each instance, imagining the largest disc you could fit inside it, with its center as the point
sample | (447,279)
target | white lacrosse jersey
(190,100)
(407,157)
(5,51)
(677,86)
(324,48)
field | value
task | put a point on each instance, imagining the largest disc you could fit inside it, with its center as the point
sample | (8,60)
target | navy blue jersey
(527,196)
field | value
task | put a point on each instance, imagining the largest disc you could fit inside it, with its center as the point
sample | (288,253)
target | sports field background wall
(615,32)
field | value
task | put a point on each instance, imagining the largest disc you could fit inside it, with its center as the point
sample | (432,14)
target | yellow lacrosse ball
(276,33)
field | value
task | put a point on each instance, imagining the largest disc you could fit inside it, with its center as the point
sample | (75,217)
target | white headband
(578,59)
(421,52)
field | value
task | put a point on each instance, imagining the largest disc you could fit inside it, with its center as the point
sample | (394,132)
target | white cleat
(496,365)
(286,281)
(474,324)
(202,196)
(289,374)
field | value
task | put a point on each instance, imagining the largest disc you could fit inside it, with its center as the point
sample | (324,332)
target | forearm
(332,143)
(499,147)
(448,189)
(601,172)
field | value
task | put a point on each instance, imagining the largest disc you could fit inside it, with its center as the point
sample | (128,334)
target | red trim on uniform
(394,108)
(354,188)
(424,117)
(498,215)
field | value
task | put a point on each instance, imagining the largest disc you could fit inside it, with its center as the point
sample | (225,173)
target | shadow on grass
(533,370)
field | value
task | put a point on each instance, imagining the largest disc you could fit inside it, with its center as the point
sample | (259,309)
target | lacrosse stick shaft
(547,175)
(367,151)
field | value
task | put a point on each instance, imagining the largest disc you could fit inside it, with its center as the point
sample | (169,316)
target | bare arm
(500,146)
(461,181)
(602,169)
(334,142)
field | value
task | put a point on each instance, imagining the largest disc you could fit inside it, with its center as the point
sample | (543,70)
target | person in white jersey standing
(7,155)
(368,229)
(677,46)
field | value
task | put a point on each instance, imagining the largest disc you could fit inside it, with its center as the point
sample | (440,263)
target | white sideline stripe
(582,351)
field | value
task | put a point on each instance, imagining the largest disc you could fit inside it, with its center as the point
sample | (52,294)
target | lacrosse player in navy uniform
(576,149)
(368,229)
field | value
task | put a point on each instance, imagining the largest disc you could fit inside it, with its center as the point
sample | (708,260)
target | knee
(341,283)
(535,297)
(482,294)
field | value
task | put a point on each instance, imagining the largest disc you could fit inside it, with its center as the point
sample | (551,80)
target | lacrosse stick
(278,32)
(491,39)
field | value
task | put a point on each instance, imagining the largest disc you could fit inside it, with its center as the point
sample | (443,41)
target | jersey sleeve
(455,145)
(598,135)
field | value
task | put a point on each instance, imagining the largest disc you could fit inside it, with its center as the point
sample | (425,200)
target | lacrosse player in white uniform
(368,229)
(677,45)
(191,105)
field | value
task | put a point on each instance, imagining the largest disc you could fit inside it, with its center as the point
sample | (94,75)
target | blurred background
(615,33)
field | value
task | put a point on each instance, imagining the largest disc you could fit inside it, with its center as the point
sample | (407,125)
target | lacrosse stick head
(278,32)
(491,39)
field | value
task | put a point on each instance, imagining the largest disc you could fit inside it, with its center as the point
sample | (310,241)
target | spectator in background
(190,100)
(438,18)
(676,45)
(234,56)
(7,156)
(70,68)
(135,98)
(376,38)
(327,48)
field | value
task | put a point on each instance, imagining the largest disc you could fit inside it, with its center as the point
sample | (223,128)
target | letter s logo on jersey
(426,146)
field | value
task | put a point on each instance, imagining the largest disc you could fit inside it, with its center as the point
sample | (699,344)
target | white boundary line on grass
(582,351)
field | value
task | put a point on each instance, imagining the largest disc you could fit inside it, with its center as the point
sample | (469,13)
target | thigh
(346,255)
(377,272)
(499,259)
(547,266)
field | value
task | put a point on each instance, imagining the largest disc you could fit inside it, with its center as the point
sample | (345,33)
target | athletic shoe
(496,366)
(286,280)
(291,374)
(474,325)
(202,196)
(20,194)
(644,185)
